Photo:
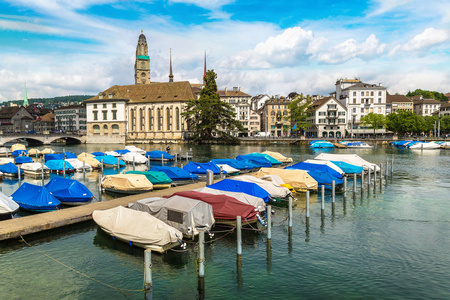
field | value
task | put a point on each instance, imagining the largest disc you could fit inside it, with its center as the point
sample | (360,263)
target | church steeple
(25,97)
(142,65)
(170,75)
(204,71)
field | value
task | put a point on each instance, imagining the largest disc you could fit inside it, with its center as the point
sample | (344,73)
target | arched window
(272,113)
(142,119)
(177,118)
(115,129)
(143,65)
(159,116)
(96,129)
(133,119)
(143,77)
(105,129)
(168,119)
(150,119)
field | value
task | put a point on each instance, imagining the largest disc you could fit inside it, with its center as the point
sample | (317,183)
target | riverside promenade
(14,228)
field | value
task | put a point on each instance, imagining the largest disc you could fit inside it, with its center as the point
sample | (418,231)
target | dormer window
(100,96)
(110,95)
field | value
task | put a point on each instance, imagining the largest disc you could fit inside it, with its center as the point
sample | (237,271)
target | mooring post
(187,156)
(386,173)
(362,181)
(221,172)
(118,166)
(176,157)
(269,222)
(368,178)
(307,208)
(18,176)
(354,183)
(209,177)
(322,200)
(375,179)
(345,185)
(148,161)
(102,164)
(201,254)
(290,212)
(148,273)
(392,167)
(239,235)
(381,177)
(134,163)
(64,169)
(333,192)
(42,173)
(84,169)
(162,159)
(100,183)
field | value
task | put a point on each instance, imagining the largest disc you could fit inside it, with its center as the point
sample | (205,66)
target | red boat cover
(224,207)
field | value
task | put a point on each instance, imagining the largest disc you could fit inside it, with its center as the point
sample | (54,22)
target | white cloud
(207,4)
(424,41)
(383,6)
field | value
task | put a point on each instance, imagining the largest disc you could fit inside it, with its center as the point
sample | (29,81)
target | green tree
(208,117)
(428,95)
(373,120)
(299,109)
(404,121)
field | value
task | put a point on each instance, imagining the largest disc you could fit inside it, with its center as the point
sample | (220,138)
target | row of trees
(428,95)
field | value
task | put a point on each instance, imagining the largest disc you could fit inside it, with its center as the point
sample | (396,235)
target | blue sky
(64,47)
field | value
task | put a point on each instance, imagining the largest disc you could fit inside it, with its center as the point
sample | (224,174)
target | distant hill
(53,102)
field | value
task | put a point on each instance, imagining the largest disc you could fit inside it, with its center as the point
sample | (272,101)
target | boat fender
(114,238)
(130,243)
(182,244)
(261,220)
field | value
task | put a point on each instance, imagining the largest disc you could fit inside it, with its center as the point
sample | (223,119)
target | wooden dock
(14,228)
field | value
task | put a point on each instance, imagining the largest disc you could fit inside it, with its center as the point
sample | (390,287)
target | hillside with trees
(55,101)
(428,95)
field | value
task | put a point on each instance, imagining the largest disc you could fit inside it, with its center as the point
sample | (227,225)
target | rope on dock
(120,290)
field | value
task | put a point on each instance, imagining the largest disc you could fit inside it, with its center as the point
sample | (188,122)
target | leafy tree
(298,112)
(428,95)
(208,116)
(404,121)
(373,120)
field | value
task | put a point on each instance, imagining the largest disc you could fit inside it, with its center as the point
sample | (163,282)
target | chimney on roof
(235,89)
(225,90)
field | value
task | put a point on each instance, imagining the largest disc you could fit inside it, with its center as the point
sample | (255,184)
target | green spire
(25,99)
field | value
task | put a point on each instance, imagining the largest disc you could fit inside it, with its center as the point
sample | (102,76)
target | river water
(391,244)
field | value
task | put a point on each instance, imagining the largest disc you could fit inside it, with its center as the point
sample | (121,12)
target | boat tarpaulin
(156,155)
(98,153)
(346,167)
(68,190)
(35,197)
(325,162)
(89,160)
(110,160)
(275,190)
(122,152)
(257,202)
(136,226)
(272,160)
(317,167)
(69,155)
(184,214)
(234,163)
(16,153)
(34,166)
(155,177)
(18,147)
(54,156)
(7,204)
(228,169)
(201,168)
(279,156)
(241,187)
(134,157)
(127,182)
(58,165)
(135,149)
(298,179)
(112,153)
(22,159)
(323,178)
(47,151)
(175,173)
(353,159)
(10,168)
(34,151)
(259,161)
(224,207)
(85,155)
(78,165)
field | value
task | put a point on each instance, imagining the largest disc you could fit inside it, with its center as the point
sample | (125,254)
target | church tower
(142,65)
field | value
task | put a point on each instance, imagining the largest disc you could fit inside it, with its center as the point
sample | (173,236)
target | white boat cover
(135,226)
(138,158)
(89,160)
(78,165)
(4,150)
(430,145)
(135,149)
(184,214)
(18,147)
(274,189)
(298,179)
(228,168)
(353,159)
(34,167)
(112,153)
(325,162)
(5,160)
(47,151)
(257,202)
(7,204)
(34,151)
(127,182)
(279,156)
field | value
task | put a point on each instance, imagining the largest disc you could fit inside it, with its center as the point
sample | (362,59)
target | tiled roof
(427,101)
(397,98)
(226,93)
(71,107)
(365,86)
(48,118)
(318,103)
(8,112)
(152,92)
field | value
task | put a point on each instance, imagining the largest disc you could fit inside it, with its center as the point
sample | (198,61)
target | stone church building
(144,112)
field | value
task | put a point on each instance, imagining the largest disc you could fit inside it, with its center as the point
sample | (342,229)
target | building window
(104,115)
(95,115)
(114,114)
(379,93)
(177,120)
(104,105)
(96,129)
(95,106)
(379,100)
(142,119)
(168,119)
(362,93)
(133,120)
(143,65)
(105,129)
(371,93)
(159,116)
(114,105)
(362,110)
(150,118)
(115,129)
(354,93)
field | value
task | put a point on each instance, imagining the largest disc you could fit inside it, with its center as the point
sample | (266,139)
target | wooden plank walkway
(14,228)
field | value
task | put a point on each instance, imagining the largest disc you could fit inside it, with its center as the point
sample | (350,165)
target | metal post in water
(368,179)
(375,179)
(162,159)
(221,172)
(392,167)
(148,272)
(239,235)
(269,222)
(290,213)
(102,164)
(307,208)
(354,183)
(345,185)
(64,169)
(134,163)
(209,177)
(84,169)
(100,183)
(322,200)
(187,156)
(386,172)
(118,166)
(148,162)
(201,254)
(18,175)
(381,177)
(333,192)
(42,173)
(176,157)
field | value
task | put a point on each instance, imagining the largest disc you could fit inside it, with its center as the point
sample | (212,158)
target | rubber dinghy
(138,227)
(69,191)
(35,198)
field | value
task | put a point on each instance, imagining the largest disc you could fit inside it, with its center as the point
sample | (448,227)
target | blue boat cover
(248,188)
(48,157)
(348,168)
(35,197)
(57,165)
(272,160)
(403,143)
(313,141)
(322,145)
(156,154)
(98,153)
(68,190)
(175,173)
(69,155)
(323,178)
(110,160)
(121,152)
(10,168)
(317,167)
(201,168)
(155,177)
(259,161)
(16,153)
(234,163)
(23,159)
(413,143)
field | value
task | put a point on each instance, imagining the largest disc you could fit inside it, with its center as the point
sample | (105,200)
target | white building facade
(328,119)
(241,104)
(71,118)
